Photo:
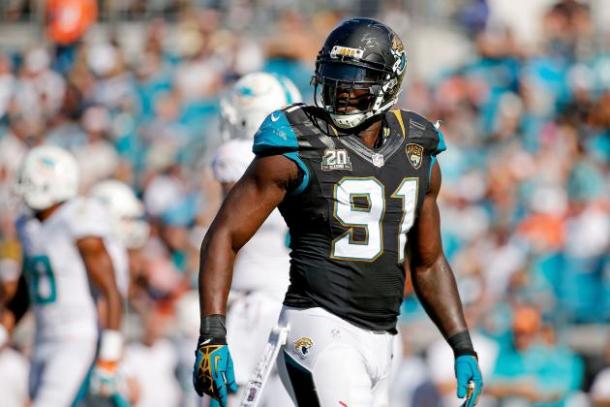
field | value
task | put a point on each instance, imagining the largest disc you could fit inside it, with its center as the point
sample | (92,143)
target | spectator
(532,369)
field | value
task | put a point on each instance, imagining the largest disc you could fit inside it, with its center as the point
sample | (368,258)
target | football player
(356,180)
(66,265)
(261,268)
(128,226)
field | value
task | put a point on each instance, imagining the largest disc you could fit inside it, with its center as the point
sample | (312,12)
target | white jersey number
(360,203)
(41,280)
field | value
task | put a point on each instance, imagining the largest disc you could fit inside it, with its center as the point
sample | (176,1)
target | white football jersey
(60,292)
(263,263)
(120,264)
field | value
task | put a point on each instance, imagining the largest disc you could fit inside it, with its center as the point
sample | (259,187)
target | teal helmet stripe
(285,88)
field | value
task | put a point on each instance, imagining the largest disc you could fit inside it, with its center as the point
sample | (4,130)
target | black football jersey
(350,215)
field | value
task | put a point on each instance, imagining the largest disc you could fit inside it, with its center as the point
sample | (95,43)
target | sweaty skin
(245,208)
(431,274)
(264,186)
(99,268)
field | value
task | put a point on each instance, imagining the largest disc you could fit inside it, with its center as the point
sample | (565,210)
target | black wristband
(461,344)
(213,326)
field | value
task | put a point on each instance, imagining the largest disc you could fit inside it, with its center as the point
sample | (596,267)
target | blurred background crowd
(522,89)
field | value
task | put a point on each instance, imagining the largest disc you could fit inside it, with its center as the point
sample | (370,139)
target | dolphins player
(261,268)
(66,267)
(128,227)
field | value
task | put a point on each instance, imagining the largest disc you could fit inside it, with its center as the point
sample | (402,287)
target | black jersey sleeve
(423,132)
(276,136)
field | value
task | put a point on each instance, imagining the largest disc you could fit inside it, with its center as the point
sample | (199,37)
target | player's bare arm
(251,200)
(435,285)
(431,275)
(98,264)
(14,306)
(99,268)
(8,289)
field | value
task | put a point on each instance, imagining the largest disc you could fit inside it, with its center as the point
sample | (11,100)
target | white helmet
(251,99)
(48,175)
(128,223)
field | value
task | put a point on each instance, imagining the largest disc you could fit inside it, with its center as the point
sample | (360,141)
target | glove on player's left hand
(466,370)
(105,379)
(213,371)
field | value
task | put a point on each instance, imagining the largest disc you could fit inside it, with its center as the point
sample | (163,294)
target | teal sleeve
(441,146)
(276,136)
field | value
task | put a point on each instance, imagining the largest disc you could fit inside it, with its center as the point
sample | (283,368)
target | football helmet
(251,99)
(128,222)
(359,71)
(48,175)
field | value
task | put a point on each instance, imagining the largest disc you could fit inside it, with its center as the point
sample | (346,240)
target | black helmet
(359,71)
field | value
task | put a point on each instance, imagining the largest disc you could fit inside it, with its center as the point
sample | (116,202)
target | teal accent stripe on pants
(81,395)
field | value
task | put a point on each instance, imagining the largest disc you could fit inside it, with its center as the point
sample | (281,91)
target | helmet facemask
(350,94)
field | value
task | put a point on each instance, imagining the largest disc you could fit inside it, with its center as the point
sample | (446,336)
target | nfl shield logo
(378,160)
(415,154)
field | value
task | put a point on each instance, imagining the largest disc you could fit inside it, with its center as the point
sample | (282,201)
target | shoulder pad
(87,217)
(423,132)
(275,135)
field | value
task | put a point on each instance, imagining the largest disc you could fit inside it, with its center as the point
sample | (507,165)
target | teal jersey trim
(441,146)
(294,156)
(275,136)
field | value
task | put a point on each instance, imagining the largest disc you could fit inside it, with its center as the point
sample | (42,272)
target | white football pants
(250,319)
(328,361)
(59,371)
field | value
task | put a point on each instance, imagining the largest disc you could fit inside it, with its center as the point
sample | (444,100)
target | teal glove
(213,371)
(105,379)
(466,370)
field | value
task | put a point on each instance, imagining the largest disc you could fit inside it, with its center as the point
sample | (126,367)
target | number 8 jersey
(58,283)
(350,214)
